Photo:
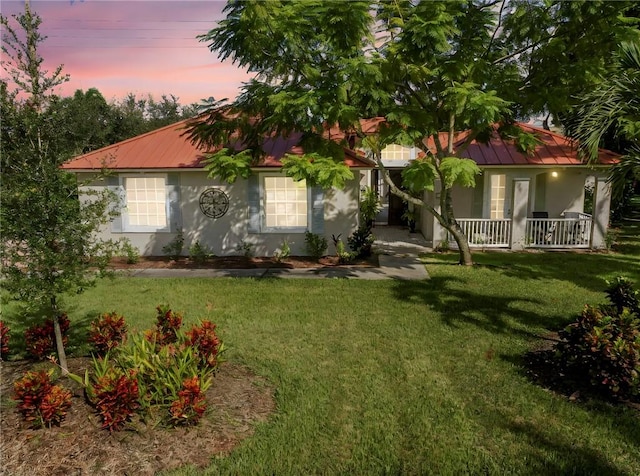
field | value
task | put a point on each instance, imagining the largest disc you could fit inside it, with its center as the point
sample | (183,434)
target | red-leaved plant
(4,340)
(107,332)
(190,405)
(115,397)
(204,340)
(40,339)
(168,324)
(39,401)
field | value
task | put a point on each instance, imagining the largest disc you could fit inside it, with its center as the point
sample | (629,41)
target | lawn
(378,377)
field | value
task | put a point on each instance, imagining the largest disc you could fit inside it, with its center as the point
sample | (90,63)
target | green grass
(378,377)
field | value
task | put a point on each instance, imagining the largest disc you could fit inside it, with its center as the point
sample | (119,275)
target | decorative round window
(214,203)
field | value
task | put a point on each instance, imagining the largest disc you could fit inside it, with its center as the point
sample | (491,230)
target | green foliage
(199,253)
(369,206)
(525,142)
(5,333)
(246,248)
(315,244)
(173,249)
(343,255)
(612,109)
(420,175)
(39,401)
(50,243)
(107,332)
(457,171)
(131,252)
(603,344)
(621,294)
(228,165)
(426,67)
(284,252)
(361,242)
(317,170)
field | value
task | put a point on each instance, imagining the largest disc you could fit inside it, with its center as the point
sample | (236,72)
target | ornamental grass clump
(602,346)
(40,339)
(39,401)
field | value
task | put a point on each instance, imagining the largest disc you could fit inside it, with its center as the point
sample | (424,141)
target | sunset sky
(143,46)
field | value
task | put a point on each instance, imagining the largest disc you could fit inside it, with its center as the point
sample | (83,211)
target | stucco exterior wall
(222,235)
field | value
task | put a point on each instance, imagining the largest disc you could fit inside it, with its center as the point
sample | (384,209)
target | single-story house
(547,199)
(164,188)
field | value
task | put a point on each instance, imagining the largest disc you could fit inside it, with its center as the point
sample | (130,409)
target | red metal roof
(168,148)
(554,150)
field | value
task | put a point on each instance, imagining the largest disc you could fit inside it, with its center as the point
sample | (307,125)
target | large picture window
(285,203)
(146,201)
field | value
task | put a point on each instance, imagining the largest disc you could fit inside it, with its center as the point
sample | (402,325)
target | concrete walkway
(398,258)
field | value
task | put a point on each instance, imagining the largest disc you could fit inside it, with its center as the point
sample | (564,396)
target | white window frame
(494,186)
(263,212)
(413,153)
(126,226)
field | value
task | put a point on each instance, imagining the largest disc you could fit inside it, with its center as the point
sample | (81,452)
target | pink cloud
(142,47)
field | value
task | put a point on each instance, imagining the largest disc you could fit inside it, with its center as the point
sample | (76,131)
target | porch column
(519,208)
(439,233)
(600,218)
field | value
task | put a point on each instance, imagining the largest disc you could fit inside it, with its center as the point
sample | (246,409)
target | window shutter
(174,212)
(317,210)
(254,204)
(114,186)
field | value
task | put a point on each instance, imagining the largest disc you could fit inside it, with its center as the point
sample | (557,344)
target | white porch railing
(559,232)
(574,232)
(485,233)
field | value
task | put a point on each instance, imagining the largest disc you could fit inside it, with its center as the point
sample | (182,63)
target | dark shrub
(603,344)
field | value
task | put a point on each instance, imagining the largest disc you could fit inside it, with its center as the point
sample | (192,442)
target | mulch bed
(239,262)
(237,400)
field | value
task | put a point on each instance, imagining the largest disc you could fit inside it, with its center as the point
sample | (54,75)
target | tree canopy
(49,244)
(426,67)
(612,110)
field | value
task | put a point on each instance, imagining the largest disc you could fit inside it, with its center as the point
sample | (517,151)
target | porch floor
(398,241)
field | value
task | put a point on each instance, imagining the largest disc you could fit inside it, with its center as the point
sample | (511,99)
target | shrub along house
(547,199)
(163,188)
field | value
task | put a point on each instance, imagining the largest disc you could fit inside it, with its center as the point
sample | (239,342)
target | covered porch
(525,221)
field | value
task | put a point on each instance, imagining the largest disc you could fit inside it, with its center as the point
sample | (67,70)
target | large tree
(49,242)
(562,49)
(612,110)
(431,69)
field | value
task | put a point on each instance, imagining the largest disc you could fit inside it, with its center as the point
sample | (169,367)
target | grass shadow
(496,314)
(553,454)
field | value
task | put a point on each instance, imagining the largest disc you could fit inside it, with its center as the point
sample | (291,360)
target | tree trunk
(446,218)
(463,245)
(62,355)
(450,224)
